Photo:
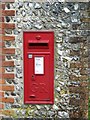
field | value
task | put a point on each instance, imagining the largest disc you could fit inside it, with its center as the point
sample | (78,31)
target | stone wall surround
(70,22)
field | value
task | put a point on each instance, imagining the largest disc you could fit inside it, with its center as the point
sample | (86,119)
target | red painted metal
(38,67)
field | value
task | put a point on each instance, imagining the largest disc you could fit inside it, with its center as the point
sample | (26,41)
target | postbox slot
(38,44)
(41,44)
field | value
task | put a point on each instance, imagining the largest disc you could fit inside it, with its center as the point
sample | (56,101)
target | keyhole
(32,77)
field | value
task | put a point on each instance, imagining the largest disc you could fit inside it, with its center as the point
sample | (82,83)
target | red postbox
(38,67)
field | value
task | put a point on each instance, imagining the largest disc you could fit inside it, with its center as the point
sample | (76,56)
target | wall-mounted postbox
(38,67)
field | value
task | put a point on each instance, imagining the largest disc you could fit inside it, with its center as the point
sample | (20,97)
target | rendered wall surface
(70,22)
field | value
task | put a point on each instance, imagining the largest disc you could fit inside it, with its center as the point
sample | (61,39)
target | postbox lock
(32,77)
(38,37)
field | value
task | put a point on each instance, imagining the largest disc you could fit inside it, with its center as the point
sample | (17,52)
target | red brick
(84,71)
(6,1)
(7,38)
(7,25)
(1,94)
(1,19)
(78,65)
(81,78)
(85,20)
(84,84)
(2,6)
(74,101)
(1,106)
(2,70)
(78,89)
(8,51)
(2,81)
(2,44)
(76,26)
(84,59)
(7,100)
(75,40)
(7,112)
(73,53)
(2,31)
(8,12)
(7,88)
(8,76)
(2,57)
(7,63)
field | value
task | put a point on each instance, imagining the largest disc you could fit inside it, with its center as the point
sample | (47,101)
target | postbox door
(39,78)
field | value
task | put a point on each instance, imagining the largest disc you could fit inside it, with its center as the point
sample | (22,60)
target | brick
(79,65)
(84,84)
(1,19)
(2,44)
(78,89)
(7,25)
(2,31)
(1,94)
(2,57)
(85,20)
(75,102)
(7,100)
(7,88)
(7,38)
(84,59)
(1,106)
(8,51)
(2,6)
(8,12)
(74,53)
(7,63)
(76,26)
(81,78)
(2,70)
(6,1)
(7,112)
(88,64)
(2,82)
(8,76)
(79,39)
(84,71)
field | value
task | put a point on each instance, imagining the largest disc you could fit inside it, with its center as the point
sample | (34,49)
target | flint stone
(38,26)
(8,31)
(18,19)
(66,10)
(7,19)
(26,5)
(8,6)
(9,69)
(37,6)
(23,13)
(8,44)
(51,113)
(58,89)
(15,106)
(76,7)
(20,5)
(13,94)
(63,114)
(46,6)
(55,107)
(30,5)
